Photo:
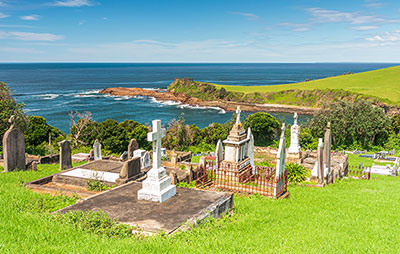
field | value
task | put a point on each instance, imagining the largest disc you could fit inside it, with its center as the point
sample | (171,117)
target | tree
(179,135)
(355,125)
(264,127)
(9,107)
(395,124)
(79,122)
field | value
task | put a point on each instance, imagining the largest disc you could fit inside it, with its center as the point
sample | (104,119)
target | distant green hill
(383,83)
(380,87)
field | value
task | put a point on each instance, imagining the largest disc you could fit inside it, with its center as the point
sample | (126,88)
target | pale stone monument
(250,147)
(320,161)
(133,145)
(13,148)
(145,160)
(65,154)
(219,152)
(327,150)
(280,163)
(97,150)
(164,152)
(157,186)
(294,137)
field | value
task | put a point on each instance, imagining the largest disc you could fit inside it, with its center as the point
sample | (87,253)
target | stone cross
(97,150)
(65,155)
(155,136)
(238,111)
(13,148)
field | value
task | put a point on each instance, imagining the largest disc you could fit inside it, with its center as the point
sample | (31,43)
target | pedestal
(157,186)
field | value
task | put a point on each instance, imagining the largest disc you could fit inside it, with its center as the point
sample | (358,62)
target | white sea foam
(49,96)
(31,110)
(121,98)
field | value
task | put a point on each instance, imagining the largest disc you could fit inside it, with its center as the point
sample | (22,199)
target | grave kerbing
(157,186)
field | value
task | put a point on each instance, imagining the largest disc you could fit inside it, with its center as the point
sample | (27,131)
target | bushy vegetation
(296,173)
(358,125)
(265,128)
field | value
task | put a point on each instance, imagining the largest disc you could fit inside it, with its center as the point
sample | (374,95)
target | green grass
(351,216)
(355,161)
(383,83)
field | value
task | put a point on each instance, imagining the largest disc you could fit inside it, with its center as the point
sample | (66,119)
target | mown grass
(351,216)
(383,83)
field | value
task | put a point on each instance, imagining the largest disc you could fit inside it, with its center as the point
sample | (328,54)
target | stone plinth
(157,186)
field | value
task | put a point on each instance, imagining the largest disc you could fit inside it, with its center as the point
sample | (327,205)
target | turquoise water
(52,90)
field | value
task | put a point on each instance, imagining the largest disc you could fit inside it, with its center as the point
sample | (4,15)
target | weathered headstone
(65,154)
(174,158)
(250,148)
(97,150)
(131,168)
(320,161)
(133,145)
(91,155)
(157,186)
(219,152)
(294,137)
(174,178)
(144,156)
(280,163)
(164,152)
(14,148)
(327,148)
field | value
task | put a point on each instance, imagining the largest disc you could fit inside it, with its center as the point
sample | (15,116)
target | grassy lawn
(352,216)
(382,83)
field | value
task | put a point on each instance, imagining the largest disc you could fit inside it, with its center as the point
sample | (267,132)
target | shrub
(296,173)
(96,185)
(96,222)
(264,127)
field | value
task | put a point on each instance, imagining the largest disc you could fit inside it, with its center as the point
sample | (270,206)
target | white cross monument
(157,186)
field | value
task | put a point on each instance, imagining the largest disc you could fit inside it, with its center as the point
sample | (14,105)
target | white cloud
(30,17)
(250,16)
(297,27)
(25,36)
(363,28)
(20,50)
(72,3)
(373,4)
(3,16)
(385,38)
(332,16)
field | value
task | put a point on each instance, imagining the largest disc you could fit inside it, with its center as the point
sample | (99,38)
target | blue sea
(52,90)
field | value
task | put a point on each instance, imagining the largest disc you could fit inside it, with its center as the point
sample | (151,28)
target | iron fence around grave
(359,172)
(261,180)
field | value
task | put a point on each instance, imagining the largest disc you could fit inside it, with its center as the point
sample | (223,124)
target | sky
(199,31)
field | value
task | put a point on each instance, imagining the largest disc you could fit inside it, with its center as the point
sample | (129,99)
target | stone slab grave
(74,180)
(188,205)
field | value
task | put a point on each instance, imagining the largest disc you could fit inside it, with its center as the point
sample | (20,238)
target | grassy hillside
(351,216)
(383,83)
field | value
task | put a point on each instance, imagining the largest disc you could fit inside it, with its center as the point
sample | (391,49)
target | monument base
(157,186)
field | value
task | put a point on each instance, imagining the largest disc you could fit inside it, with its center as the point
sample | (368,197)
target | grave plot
(75,180)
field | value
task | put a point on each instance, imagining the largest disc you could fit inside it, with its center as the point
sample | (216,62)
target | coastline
(165,95)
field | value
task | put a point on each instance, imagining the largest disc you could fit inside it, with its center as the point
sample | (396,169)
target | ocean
(52,90)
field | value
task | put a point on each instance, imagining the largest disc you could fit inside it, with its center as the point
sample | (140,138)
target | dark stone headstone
(14,149)
(133,145)
(130,169)
(65,154)
(91,155)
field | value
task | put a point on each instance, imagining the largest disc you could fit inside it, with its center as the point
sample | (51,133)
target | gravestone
(250,148)
(133,145)
(327,148)
(280,162)
(320,161)
(157,186)
(124,156)
(145,160)
(91,155)
(14,148)
(130,169)
(97,150)
(65,154)
(219,152)
(164,152)
(294,136)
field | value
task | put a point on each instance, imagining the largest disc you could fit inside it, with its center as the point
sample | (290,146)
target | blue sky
(199,31)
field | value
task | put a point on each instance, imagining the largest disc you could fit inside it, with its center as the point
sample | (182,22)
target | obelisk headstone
(97,150)
(133,145)
(65,154)
(13,148)
(320,161)
(280,163)
(219,152)
(250,148)
(157,186)
(327,148)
